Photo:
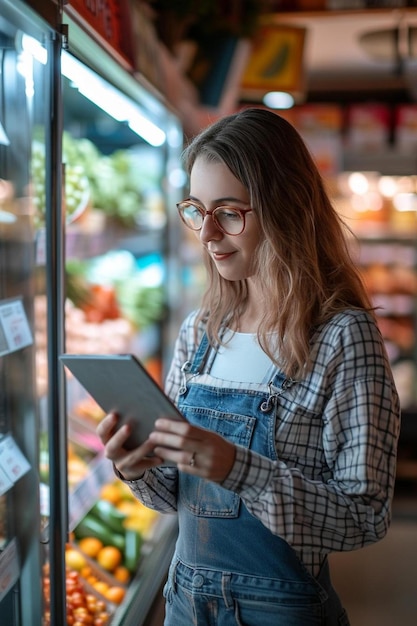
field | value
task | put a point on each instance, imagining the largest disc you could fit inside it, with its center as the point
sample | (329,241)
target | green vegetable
(133,548)
(92,527)
(109,514)
(77,187)
(139,304)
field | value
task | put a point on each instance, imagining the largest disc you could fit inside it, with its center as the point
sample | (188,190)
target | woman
(289,448)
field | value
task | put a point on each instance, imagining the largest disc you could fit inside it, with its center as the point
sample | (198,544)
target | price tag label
(14,327)
(9,568)
(41,247)
(88,490)
(5,482)
(12,461)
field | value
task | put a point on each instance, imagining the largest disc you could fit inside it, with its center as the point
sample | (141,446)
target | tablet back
(120,383)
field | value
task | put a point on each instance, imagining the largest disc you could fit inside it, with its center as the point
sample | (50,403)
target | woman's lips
(221,256)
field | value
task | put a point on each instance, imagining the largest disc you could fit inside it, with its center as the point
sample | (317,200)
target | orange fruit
(86,572)
(127,507)
(74,559)
(115,594)
(109,558)
(111,493)
(121,574)
(125,492)
(101,587)
(90,546)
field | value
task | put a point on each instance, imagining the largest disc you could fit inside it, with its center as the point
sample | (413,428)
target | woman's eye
(226,214)
(192,211)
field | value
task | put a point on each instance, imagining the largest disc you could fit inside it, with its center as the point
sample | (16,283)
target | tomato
(84,619)
(77,600)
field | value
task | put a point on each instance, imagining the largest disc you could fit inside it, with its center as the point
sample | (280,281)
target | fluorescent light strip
(35,48)
(102,94)
(110,100)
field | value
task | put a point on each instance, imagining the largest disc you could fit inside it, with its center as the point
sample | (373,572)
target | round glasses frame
(181,206)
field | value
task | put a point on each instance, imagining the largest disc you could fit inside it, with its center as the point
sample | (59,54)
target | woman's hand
(195,450)
(130,463)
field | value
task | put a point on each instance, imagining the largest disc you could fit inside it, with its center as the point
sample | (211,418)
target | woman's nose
(209,230)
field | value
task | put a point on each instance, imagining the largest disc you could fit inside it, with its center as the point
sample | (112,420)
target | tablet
(120,383)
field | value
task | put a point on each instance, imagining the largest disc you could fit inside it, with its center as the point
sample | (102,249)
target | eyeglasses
(228,219)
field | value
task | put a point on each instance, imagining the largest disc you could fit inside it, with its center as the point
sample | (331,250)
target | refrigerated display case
(31,517)
(87,194)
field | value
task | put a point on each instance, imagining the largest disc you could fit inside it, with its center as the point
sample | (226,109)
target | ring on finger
(192,460)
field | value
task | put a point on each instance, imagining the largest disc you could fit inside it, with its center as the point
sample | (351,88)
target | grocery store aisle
(378,584)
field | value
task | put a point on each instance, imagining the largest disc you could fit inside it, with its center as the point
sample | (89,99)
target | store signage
(14,326)
(110,19)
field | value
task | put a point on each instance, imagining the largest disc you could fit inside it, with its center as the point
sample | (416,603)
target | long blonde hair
(303,262)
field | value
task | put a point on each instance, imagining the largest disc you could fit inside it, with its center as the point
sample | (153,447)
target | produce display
(82,605)
(101,295)
(109,182)
(84,336)
(114,183)
(102,556)
(93,578)
(109,301)
(77,187)
(111,537)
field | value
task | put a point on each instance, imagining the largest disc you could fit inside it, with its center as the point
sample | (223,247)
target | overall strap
(201,356)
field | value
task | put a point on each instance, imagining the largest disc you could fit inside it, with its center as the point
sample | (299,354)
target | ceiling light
(278,100)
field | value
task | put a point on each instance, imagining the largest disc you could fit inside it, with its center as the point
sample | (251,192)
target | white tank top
(242,359)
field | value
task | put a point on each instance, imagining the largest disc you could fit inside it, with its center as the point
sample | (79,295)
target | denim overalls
(228,568)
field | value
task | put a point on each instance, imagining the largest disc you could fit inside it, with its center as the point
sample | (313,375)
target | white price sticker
(14,327)
(41,247)
(5,482)
(12,461)
(9,568)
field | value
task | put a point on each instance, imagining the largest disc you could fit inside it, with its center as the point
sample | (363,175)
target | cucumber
(92,527)
(133,546)
(109,514)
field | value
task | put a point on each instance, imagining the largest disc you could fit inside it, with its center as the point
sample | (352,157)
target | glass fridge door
(121,150)
(28,53)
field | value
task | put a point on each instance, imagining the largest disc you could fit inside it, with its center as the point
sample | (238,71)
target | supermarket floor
(378,585)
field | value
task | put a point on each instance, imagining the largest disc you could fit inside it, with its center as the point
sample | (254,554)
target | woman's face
(212,184)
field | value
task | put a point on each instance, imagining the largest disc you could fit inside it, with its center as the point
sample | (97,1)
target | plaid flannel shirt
(336,437)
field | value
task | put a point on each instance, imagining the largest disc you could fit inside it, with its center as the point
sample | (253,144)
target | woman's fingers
(130,463)
(106,427)
(195,450)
